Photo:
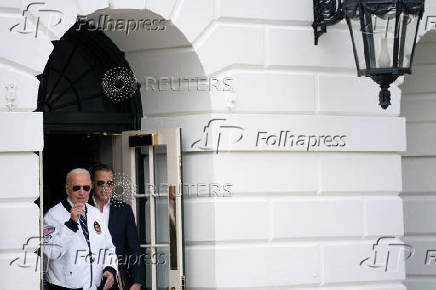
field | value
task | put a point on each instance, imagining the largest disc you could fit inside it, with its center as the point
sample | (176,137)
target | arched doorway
(81,129)
(79,119)
(172,53)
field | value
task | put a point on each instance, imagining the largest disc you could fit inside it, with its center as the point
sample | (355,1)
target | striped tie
(83,220)
(84,224)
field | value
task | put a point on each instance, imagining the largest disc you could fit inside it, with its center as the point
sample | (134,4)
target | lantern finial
(384,98)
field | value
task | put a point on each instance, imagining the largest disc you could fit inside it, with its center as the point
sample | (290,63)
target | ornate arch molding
(25,64)
(70,92)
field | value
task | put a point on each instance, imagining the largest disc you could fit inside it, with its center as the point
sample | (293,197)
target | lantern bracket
(326,13)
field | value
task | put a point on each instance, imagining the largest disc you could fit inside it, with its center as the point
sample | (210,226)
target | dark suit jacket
(125,239)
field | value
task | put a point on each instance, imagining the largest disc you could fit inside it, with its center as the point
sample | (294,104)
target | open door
(153,160)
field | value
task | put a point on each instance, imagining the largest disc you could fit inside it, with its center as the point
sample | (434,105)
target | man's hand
(77,211)
(109,280)
(135,287)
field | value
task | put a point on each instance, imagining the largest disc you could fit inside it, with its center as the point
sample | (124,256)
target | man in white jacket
(77,242)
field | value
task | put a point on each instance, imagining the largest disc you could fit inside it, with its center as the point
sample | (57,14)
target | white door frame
(171,138)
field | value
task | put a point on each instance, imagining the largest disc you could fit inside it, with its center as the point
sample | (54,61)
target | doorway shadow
(64,152)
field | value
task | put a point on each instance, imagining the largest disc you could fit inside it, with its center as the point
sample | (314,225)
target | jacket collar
(92,202)
(68,205)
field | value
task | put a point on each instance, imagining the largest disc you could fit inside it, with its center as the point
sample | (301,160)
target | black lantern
(383,33)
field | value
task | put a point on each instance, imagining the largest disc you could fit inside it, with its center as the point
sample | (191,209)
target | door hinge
(183,282)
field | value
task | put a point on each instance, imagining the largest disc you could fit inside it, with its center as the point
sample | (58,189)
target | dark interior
(78,151)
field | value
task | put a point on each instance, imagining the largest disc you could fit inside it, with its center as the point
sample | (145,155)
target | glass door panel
(153,159)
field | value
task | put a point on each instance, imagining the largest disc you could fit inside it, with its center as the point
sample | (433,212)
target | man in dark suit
(122,227)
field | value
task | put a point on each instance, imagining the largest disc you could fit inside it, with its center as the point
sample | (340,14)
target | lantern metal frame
(330,12)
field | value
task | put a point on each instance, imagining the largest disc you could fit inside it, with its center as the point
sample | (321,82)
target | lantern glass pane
(383,35)
(408,25)
(354,26)
(374,38)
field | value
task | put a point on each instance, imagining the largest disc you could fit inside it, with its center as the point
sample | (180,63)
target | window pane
(160,169)
(148,264)
(408,25)
(162,268)
(143,220)
(162,220)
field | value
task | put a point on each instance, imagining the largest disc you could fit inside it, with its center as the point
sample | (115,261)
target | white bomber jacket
(69,263)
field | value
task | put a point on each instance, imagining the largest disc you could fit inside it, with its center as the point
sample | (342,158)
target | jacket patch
(48,230)
(97,228)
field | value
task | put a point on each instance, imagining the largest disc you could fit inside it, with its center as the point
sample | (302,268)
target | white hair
(76,171)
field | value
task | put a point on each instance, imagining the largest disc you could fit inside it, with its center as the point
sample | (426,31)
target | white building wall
(296,219)
(19,215)
(419,165)
(21,135)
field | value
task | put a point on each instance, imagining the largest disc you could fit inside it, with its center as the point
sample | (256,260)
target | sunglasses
(102,182)
(78,187)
